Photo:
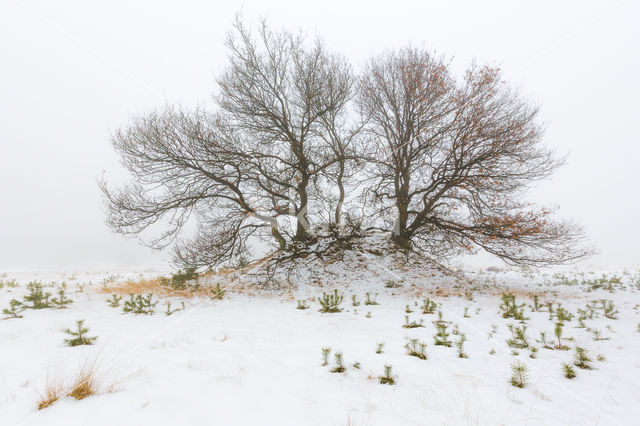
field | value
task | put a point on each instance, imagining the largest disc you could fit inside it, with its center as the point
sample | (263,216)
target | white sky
(73,71)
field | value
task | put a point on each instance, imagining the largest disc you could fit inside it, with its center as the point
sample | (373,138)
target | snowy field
(253,358)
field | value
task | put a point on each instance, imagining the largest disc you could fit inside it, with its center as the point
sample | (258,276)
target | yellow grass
(52,392)
(85,382)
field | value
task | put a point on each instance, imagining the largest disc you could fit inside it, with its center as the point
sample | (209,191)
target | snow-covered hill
(253,358)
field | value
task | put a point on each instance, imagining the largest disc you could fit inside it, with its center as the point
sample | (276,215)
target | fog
(71,72)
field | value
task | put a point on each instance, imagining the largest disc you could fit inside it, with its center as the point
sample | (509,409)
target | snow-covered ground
(253,358)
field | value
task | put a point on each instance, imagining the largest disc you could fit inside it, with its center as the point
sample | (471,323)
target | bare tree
(243,170)
(452,160)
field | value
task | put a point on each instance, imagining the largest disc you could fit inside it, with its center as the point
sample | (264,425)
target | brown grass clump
(52,392)
(137,287)
(85,383)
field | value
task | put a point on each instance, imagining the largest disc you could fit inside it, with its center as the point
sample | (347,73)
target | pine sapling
(330,303)
(416,348)
(79,336)
(170,311)
(597,335)
(510,309)
(380,347)
(14,309)
(387,378)
(429,306)
(519,338)
(460,346)
(582,360)
(139,304)
(62,300)
(466,313)
(217,292)
(114,302)
(568,370)
(610,310)
(325,356)
(302,305)
(536,303)
(562,314)
(519,375)
(391,284)
(442,337)
(408,310)
(550,310)
(411,324)
(339,368)
(369,300)
(543,340)
(354,300)
(37,296)
(558,332)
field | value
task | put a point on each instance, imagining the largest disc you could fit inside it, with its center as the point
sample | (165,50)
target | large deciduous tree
(452,159)
(278,139)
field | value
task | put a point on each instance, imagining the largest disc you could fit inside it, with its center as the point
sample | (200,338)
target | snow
(253,358)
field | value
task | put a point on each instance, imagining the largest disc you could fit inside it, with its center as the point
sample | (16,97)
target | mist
(72,72)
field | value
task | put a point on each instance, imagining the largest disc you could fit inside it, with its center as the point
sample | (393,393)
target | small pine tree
(369,300)
(302,305)
(411,324)
(416,348)
(550,310)
(519,338)
(170,311)
(379,348)
(114,302)
(37,296)
(442,336)
(14,309)
(391,284)
(568,370)
(562,314)
(536,303)
(387,378)
(79,336)
(330,303)
(460,346)
(217,292)
(510,309)
(354,300)
(429,306)
(558,333)
(408,310)
(609,309)
(582,360)
(339,368)
(325,356)
(139,304)
(62,300)
(519,374)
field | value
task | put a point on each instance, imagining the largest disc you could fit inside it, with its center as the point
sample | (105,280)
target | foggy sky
(71,72)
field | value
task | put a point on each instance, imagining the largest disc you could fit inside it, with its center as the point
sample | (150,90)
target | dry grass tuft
(137,287)
(85,383)
(52,392)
